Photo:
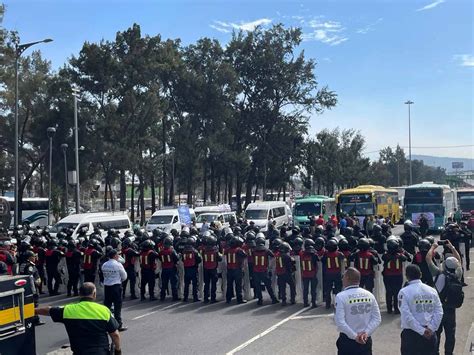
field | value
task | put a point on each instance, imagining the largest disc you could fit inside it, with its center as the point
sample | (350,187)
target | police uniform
(234,259)
(191,260)
(332,262)
(309,269)
(356,311)
(169,273)
(420,308)
(73,263)
(147,267)
(130,256)
(393,278)
(211,258)
(261,266)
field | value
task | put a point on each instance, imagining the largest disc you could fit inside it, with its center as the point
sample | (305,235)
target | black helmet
(211,240)
(306,231)
(191,241)
(363,244)
(377,230)
(343,244)
(392,244)
(431,239)
(260,240)
(385,227)
(237,230)
(347,232)
(194,231)
(319,243)
(249,235)
(297,243)
(424,245)
(331,245)
(174,232)
(167,242)
(147,245)
(276,243)
(284,247)
(309,243)
(408,225)
(28,254)
(52,243)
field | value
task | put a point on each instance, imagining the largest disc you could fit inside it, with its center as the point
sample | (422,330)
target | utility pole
(409,103)
(75,92)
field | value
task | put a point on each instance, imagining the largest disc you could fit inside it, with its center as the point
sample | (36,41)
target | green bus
(314,205)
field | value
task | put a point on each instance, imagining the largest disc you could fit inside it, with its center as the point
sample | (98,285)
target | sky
(375,54)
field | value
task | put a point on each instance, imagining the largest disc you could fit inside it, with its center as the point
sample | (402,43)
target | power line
(432,147)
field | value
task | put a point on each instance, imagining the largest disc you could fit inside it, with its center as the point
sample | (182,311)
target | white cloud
(369,27)
(465,60)
(431,6)
(329,32)
(227,27)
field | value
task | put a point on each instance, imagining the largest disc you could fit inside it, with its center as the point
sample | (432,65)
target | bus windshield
(256,214)
(423,196)
(303,209)
(466,203)
(359,209)
(58,227)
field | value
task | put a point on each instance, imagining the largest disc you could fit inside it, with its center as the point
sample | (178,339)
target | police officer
(448,274)
(420,259)
(365,260)
(235,256)
(309,268)
(211,257)
(357,316)
(130,254)
(148,259)
(73,263)
(393,273)
(284,270)
(333,265)
(29,268)
(261,263)
(191,260)
(409,237)
(169,272)
(92,254)
(52,258)
(421,315)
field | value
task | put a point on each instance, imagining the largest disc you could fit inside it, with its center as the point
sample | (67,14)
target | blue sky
(375,54)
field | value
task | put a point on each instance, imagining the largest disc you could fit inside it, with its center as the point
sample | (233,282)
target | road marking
(171,306)
(144,315)
(469,348)
(262,334)
(314,316)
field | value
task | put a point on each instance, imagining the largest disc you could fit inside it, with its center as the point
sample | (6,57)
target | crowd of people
(189,264)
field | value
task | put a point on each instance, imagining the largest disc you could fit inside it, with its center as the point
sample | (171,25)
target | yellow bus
(368,200)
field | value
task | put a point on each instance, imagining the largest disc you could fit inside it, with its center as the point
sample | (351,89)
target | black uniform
(73,263)
(130,254)
(52,258)
(191,260)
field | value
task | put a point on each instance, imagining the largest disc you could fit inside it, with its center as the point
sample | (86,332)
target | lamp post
(64,147)
(19,49)
(409,103)
(75,92)
(51,132)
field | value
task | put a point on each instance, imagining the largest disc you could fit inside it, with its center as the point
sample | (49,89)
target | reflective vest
(146,262)
(4,258)
(260,261)
(166,258)
(394,267)
(87,263)
(347,254)
(129,260)
(209,259)
(418,258)
(308,269)
(364,263)
(280,266)
(231,258)
(250,253)
(333,262)
(189,258)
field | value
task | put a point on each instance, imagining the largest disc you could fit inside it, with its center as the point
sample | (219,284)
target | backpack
(452,295)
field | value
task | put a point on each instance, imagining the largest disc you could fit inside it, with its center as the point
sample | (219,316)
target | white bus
(34,210)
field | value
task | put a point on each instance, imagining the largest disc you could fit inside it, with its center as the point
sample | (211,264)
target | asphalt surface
(194,328)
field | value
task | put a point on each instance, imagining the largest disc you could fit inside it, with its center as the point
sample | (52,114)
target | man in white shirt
(357,316)
(421,314)
(114,275)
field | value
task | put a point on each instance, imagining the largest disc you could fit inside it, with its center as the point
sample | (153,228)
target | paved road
(191,328)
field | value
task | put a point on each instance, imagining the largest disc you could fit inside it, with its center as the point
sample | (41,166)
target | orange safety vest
(260,261)
(333,262)
(209,259)
(145,262)
(308,269)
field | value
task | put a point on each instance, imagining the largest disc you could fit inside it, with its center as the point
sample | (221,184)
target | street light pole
(51,131)
(19,49)
(409,103)
(64,147)
(75,92)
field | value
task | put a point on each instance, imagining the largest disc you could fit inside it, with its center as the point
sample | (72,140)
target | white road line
(314,316)
(144,315)
(469,348)
(262,334)
(171,306)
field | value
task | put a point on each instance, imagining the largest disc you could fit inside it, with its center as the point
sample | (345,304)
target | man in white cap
(449,286)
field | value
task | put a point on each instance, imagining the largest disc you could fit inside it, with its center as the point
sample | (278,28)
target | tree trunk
(255,192)
(153,193)
(112,197)
(189,188)
(105,193)
(213,185)
(238,192)
(229,189)
(172,184)
(204,178)
(142,201)
(284,192)
(219,189)
(123,191)
(132,202)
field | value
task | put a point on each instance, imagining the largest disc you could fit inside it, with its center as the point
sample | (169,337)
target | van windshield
(256,214)
(163,219)
(58,227)
(207,217)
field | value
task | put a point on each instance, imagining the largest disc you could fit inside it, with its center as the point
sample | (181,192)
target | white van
(212,209)
(166,220)
(102,220)
(259,212)
(224,217)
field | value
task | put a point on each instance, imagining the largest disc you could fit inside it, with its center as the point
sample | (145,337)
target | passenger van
(224,217)
(212,209)
(260,212)
(167,219)
(102,220)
